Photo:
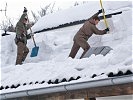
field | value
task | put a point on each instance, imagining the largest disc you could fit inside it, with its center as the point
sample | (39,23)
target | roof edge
(70,87)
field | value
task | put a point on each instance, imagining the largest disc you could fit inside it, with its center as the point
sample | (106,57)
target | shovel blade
(34,52)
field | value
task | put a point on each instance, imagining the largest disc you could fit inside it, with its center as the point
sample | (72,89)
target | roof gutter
(69,87)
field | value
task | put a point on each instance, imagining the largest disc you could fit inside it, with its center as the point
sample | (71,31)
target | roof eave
(70,87)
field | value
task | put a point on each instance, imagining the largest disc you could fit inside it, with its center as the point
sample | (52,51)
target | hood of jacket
(92,21)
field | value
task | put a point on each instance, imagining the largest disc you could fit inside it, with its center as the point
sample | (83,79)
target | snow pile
(52,61)
(8,49)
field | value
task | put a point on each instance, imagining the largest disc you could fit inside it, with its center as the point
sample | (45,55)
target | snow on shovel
(34,51)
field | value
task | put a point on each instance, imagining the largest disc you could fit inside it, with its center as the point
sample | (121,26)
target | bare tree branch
(51,10)
(76,3)
(47,9)
(34,16)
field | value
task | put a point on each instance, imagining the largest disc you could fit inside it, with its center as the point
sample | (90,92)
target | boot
(18,62)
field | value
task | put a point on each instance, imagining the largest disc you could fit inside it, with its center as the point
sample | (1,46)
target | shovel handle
(33,40)
(33,37)
(31,31)
(103,14)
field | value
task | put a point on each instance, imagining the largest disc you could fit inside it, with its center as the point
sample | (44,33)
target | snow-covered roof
(53,67)
(77,13)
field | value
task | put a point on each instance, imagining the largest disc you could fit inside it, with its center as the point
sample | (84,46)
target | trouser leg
(20,50)
(85,50)
(26,51)
(85,46)
(90,99)
(74,50)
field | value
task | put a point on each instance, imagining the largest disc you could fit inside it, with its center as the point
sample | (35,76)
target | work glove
(28,36)
(25,10)
(100,11)
(107,29)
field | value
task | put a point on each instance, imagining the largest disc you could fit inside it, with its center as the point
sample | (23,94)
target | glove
(28,36)
(100,11)
(25,10)
(107,29)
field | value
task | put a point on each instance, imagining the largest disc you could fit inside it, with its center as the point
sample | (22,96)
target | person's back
(85,31)
(89,27)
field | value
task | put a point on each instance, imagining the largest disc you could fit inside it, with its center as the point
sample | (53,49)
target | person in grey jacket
(21,38)
(85,32)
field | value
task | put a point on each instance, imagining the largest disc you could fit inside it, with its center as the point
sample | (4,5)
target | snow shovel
(35,50)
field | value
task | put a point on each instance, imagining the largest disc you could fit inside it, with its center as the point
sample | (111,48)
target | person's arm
(18,34)
(99,32)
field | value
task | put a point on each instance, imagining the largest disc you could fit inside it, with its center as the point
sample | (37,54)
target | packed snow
(53,62)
